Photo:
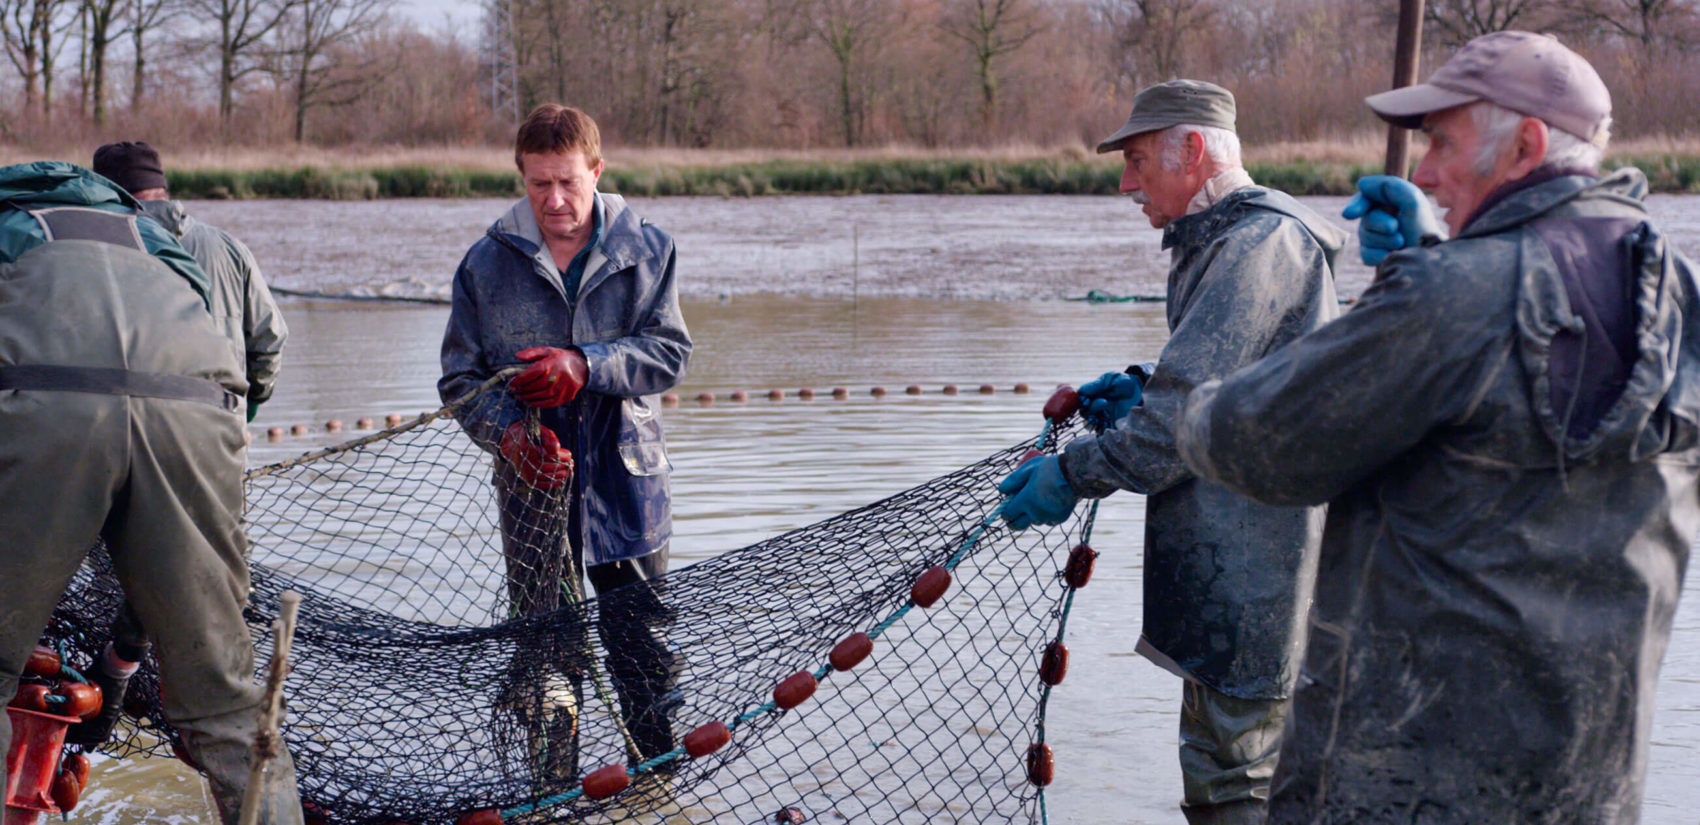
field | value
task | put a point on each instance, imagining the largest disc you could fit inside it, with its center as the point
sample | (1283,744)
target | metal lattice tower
(496,56)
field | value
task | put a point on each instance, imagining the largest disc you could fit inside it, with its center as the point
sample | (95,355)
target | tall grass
(1316,168)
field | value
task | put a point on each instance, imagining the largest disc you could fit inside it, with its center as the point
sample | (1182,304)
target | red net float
(806,393)
(392,420)
(78,765)
(1062,404)
(775,395)
(707,739)
(950,389)
(912,389)
(606,781)
(1041,765)
(298,429)
(81,699)
(1022,388)
(43,662)
(333,426)
(32,697)
(670,399)
(705,398)
(794,689)
(363,423)
(789,816)
(66,791)
(740,396)
(482,816)
(840,393)
(987,389)
(877,392)
(850,652)
(1078,571)
(930,586)
(1053,666)
(274,433)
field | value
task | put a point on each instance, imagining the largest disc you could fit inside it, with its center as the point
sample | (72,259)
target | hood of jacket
(1659,409)
(1200,227)
(47,184)
(170,214)
(622,242)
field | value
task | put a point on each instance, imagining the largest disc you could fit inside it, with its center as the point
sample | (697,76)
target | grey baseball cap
(1192,102)
(1531,74)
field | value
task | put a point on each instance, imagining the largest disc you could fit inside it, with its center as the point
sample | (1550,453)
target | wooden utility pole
(1408,47)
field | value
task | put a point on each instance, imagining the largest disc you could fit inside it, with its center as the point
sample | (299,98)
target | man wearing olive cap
(1506,431)
(1227,579)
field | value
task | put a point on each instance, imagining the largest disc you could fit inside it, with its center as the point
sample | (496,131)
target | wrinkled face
(1162,194)
(562,191)
(1448,169)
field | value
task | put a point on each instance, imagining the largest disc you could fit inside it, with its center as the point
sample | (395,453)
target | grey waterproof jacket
(508,296)
(241,303)
(1227,579)
(1494,595)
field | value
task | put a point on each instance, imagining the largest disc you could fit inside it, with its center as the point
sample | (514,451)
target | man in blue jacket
(573,285)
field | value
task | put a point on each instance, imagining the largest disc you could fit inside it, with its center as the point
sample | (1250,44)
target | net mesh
(441,667)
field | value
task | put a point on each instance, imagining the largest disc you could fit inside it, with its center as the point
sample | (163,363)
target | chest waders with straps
(75,223)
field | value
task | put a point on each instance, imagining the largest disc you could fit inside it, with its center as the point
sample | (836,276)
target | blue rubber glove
(1037,494)
(1108,398)
(1395,214)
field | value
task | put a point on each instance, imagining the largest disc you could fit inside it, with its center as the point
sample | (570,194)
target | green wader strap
(112,381)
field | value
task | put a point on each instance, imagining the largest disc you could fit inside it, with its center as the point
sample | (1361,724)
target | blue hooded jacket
(508,296)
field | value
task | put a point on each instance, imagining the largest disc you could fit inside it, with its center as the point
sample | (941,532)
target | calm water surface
(748,471)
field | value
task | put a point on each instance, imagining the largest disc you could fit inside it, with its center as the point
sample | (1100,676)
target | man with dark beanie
(242,305)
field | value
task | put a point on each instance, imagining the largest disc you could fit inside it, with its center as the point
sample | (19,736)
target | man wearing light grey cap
(1506,431)
(1227,579)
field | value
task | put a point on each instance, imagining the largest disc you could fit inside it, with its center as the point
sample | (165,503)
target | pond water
(792,318)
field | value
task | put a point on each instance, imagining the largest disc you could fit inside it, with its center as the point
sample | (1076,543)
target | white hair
(1221,145)
(1496,126)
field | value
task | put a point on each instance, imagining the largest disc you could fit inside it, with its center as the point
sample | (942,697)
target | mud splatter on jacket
(1227,579)
(508,296)
(1494,595)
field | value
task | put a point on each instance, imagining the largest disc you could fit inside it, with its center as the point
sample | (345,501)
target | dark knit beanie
(133,165)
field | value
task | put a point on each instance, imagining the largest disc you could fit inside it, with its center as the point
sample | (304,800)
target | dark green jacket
(1494,595)
(1227,579)
(47,183)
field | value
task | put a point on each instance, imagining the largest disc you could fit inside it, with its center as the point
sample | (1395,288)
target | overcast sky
(461,15)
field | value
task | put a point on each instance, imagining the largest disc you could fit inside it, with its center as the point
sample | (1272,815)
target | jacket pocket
(643,447)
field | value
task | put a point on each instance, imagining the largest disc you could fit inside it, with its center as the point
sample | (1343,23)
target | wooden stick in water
(268,740)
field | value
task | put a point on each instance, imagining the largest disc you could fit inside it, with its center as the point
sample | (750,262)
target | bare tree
(1152,35)
(101,27)
(241,28)
(1456,22)
(320,55)
(145,17)
(32,30)
(849,29)
(991,28)
(1648,24)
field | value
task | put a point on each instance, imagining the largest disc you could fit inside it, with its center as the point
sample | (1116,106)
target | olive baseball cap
(1531,74)
(1192,102)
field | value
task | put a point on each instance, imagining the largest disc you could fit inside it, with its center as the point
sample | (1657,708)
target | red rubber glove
(554,377)
(541,464)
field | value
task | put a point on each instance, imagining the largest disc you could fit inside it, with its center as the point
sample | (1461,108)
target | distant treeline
(787,74)
(925,176)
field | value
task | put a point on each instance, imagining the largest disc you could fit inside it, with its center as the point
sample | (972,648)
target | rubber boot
(1241,812)
(111,674)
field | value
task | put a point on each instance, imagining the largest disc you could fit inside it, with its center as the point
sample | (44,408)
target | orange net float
(806,393)
(930,586)
(840,393)
(1063,403)
(775,395)
(67,791)
(78,765)
(851,651)
(740,396)
(43,662)
(32,697)
(606,781)
(82,699)
(950,389)
(1053,666)
(481,816)
(1078,571)
(912,389)
(794,689)
(1041,765)
(707,739)
(987,389)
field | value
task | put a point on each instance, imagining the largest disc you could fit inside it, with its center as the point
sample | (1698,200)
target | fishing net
(437,674)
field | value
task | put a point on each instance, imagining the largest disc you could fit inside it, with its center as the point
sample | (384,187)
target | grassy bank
(1300,168)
